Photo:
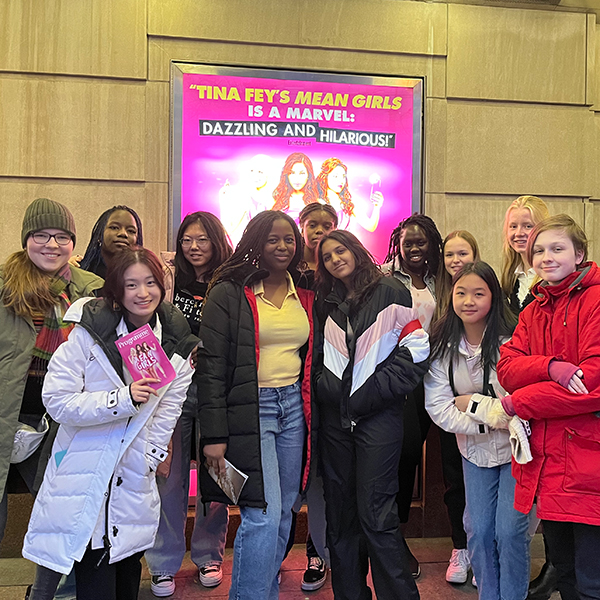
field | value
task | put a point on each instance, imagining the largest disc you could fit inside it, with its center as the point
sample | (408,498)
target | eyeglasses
(41,237)
(187,242)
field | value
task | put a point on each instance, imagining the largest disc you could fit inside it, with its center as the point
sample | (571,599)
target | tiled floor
(433,553)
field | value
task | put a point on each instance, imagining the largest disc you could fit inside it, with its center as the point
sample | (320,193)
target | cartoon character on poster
(297,185)
(253,194)
(333,189)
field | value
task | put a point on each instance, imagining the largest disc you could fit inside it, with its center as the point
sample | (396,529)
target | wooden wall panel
(72,128)
(157,131)
(86,200)
(156,216)
(97,37)
(435,145)
(510,54)
(380,25)
(514,149)
(162,51)
(592,52)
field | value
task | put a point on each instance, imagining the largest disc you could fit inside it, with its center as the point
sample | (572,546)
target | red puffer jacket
(562,323)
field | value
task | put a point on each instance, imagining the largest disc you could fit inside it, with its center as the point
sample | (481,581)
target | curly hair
(345,196)
(432,234)
(284,190)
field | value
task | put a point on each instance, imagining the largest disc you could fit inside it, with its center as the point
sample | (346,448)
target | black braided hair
(432,234)
(92,258)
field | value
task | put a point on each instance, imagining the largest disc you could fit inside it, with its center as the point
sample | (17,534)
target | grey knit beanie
(47,214)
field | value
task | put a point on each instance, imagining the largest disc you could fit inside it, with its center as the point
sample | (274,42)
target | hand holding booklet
(144,357)
(231,482)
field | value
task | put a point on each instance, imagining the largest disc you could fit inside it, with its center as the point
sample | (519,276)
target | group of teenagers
(317,373)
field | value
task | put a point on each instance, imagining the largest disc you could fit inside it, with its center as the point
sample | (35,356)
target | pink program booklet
(144,357)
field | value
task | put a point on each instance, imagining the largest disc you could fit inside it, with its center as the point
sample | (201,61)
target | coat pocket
(582,464)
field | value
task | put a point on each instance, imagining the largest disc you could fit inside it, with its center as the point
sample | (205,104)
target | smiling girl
(254,393)
(117,228)
(98,507)
(372,355)
(37,286)
(551,368)
(517,273)
(461,390)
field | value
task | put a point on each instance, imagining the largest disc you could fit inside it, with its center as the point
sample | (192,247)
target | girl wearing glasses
(202,246)
(37,285)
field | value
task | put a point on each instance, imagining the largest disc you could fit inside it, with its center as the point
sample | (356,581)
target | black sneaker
(315,575)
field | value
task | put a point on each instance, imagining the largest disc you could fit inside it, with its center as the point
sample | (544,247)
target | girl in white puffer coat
(98,507)
(462,396)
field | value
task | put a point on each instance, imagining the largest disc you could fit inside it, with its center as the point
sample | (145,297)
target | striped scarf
(54,330)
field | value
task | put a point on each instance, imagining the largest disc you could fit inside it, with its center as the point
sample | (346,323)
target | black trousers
(574,550)
(416,428)
(360,478)
(98,580)
(454,496)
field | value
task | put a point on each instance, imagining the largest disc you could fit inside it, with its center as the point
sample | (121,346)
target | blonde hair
(510,258)
(443,281)
(568,226)
(26,288)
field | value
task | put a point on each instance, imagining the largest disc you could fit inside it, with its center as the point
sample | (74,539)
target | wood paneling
(72,128)
(156,216)
(435,145)
(380,25)
(516,148)
(509,54)
(157,131)
(95,37)
(162,51)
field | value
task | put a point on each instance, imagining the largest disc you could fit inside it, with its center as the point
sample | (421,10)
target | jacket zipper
(105,537)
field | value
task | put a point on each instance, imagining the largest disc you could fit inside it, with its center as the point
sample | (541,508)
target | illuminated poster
(247,140)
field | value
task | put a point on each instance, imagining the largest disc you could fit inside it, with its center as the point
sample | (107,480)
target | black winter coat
(365,360)
(227,379)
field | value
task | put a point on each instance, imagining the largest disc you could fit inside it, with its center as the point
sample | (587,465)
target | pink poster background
(220,173)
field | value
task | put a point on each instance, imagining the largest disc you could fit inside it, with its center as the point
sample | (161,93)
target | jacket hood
(586,276)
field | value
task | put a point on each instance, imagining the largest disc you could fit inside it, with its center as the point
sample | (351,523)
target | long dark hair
(284,190)
(432,234)
(366,272)
(93,253)
(499,322)
(222,250)
(253,241)
(114,285)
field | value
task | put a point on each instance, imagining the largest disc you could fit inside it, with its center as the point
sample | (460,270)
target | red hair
(345,196)
(284,190)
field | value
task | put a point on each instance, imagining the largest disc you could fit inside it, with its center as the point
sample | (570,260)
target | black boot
(543,586)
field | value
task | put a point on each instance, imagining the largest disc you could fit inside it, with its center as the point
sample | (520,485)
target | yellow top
(281,334)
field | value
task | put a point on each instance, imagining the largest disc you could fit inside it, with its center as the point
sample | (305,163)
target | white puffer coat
(478,443)
(99,485)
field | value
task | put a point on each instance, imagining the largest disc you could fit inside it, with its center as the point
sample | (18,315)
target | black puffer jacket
(370,358)
(227,379)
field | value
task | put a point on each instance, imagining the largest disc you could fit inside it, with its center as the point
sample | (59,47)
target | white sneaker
(458,569)
(210,575)
(162,585)
(474,582)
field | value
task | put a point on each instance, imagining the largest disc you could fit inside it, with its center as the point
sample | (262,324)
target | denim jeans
(263,534)
(210,530)
(497,534)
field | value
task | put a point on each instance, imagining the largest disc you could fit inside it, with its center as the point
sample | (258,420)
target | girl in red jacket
(551,369)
